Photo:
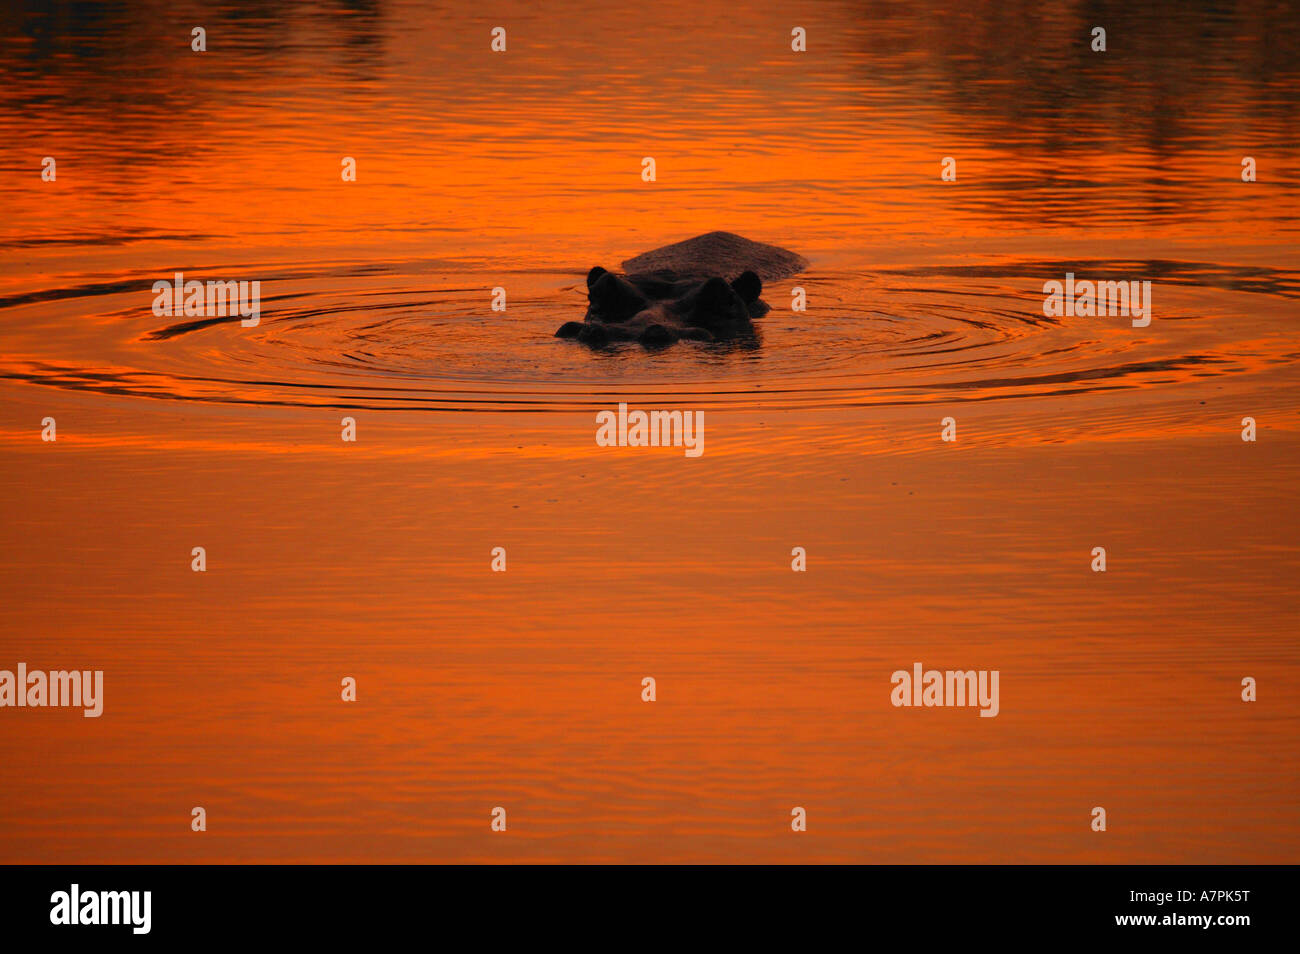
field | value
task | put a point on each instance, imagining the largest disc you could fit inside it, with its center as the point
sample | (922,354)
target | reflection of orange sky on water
(566,203)
(542,146)
(478,689)
(523,689)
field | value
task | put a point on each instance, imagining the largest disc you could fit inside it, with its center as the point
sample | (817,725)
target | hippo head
(682,291)
(660,308)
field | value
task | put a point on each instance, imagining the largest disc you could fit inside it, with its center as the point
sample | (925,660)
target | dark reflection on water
(1175,74)
(1178,75)
(60,37)
(1177,80)
(122,79)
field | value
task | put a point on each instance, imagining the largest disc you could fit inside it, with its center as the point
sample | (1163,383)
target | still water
(521,170)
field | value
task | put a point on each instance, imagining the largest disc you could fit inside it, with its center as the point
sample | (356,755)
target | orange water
(475,430)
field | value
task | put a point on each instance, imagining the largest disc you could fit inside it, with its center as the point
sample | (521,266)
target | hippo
(703,289)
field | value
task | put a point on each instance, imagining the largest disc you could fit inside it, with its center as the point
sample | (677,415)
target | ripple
(419,335)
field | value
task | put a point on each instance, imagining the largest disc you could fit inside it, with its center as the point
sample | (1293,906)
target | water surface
(522,170)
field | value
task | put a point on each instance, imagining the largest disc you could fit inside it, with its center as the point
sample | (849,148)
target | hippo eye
(716,294)
(614,299)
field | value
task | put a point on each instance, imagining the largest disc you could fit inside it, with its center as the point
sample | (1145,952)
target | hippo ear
(594,274)
(748,286)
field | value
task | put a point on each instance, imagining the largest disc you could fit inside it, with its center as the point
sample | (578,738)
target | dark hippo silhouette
(703,289)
